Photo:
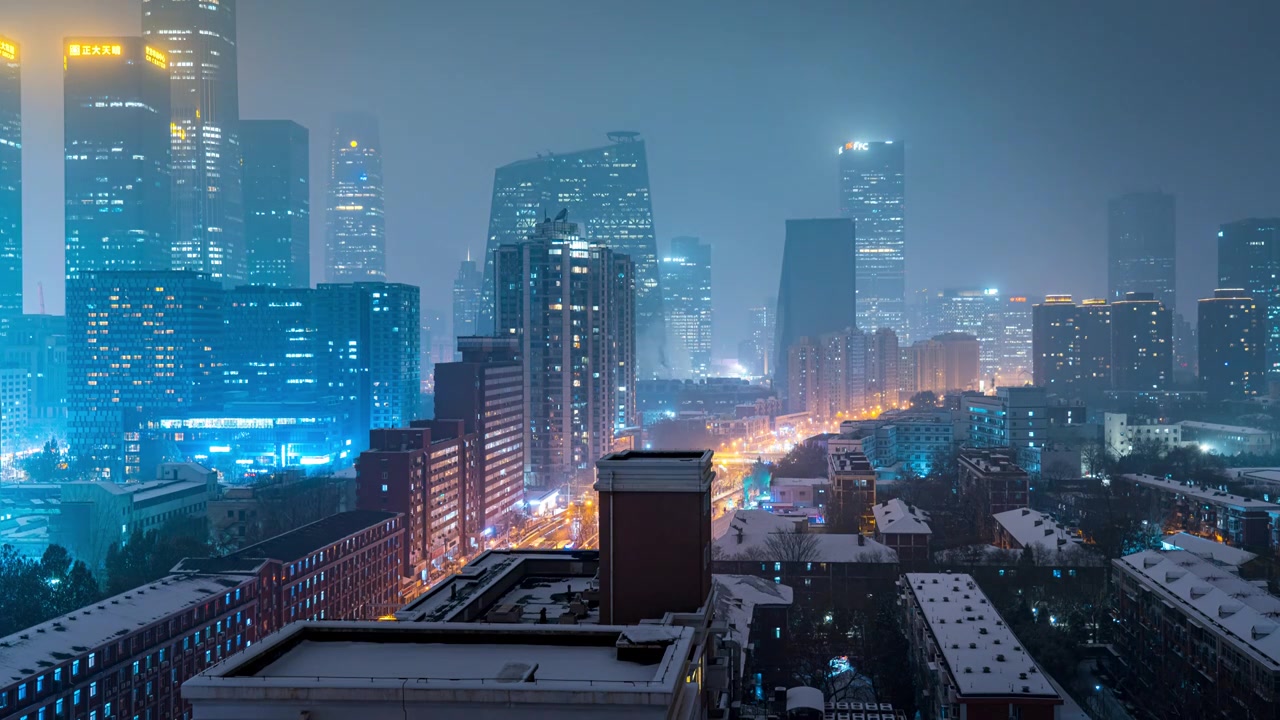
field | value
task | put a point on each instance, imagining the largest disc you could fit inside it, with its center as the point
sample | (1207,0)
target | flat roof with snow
(532,578)
(1215,427)
(1208,549)
(759,535)
(1234,608)
(1209,495)
(982,654)
(896,517)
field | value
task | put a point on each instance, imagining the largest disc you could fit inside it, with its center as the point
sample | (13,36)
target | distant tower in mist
(116,136)
(467,300)
(356,244)
(607,190)
(686,281)
(277,202)
(1249,259)
(199,38)
(873,195)
(1142,247)
(816,294)
(10,178)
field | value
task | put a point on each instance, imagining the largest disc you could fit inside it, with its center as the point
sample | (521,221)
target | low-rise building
(799,494)
(1228,440)
(992,483)
(966,661)
(1026,528)
(853,492)
(1196,639)
(1208,512)
(1121,433)
(905,530)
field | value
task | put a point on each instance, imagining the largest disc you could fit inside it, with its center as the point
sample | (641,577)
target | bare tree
(793,546)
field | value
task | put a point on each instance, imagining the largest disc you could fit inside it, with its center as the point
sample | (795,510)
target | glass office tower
(277,203)
(10,178)
(356,245)
(873,195)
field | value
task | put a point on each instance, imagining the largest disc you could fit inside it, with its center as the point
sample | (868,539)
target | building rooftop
(991,462)
(851,462)
(27,651)
(1238,609)
(895,516)
(736,600)
(1209,495)
(1207,549)
(295,544)
(759,534)
(799,481)
(452,666)
(983,655)
(1032,528)
(1215,427)
(140,491)
(529,579)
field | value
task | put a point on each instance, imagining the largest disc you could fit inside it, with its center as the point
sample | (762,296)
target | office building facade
(116,135)
(1142,247)
(1072,346)
(686,283)
(199,39)
(468,299)
(276,349)
(873,195)
(139,343)
(355,247)
(606,189)
(1141,343)
(1233,358)
(277,203)
(883,359)
(10,177)
(570,304)
(1249,258)
(816,293)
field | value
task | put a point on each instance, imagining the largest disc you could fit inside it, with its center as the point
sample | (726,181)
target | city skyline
(1067,207)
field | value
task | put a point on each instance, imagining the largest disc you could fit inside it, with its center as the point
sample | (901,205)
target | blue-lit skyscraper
(138,344)
(873,195)
(686,283)
(116,136)
(356,248)
(1249,259)
(277,203)
(606,189)
(274,349)
(1142,247)
(10,178)
(199,38)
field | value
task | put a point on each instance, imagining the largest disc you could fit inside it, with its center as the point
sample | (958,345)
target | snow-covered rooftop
(737,597)
(1215,427)
(895,516)
(982,654)
(1208,549)
(1209,495)
(92,626)
(1030,527)
(751,531)
(523,577)
(1245,614)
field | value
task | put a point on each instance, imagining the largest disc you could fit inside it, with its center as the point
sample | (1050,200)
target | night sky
(1021,119)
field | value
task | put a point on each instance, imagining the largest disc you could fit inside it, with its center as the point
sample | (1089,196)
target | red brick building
(905,530)
(991,483)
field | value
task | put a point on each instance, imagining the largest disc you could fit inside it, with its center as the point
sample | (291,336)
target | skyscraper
(10,178)
(139,343)
(882,369)
(116,133)
(1095,348)
(199,38)
(607,190)
(1249,258)
(756,352)
(686,283)
(1142,247)
(816,294)
(978,312)
(468,296)
(1015,341)
(1054,344)
(277,203)
(356,245)
(873,195)
(1232,349)
(569,303)
(275,349)
(1141,343)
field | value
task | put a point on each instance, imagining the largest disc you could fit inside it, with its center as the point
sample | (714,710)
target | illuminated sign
(1095,301)
(1057,298)
(1018,298)
(157,58)
(8,50)
(856,146)
(82,50)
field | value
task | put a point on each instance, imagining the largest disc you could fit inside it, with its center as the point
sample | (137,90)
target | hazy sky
(1020,118)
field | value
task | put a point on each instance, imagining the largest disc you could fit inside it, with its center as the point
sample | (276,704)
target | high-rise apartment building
(1141,343)
(756,352)
(570,304)
(946,362)
(802,386)
(139,343)
(1095,340)
(370,332)
(10,177)
(1249,258)
(1015,341)
(199,39)
(116,135)
(1142,247)
(974,311)
(1232,345)
(686,284)
(1071,346)
(607,190)
(842,373)
(816,293)
(277,203)
(468,299)
(356,244)
(873,195)
(882,369)
(485,390)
